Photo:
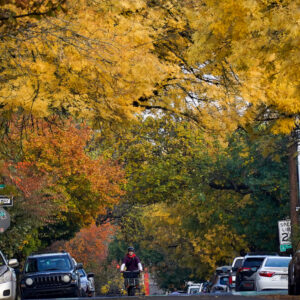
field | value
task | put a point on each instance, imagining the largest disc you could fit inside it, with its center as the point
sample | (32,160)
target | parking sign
(284,228)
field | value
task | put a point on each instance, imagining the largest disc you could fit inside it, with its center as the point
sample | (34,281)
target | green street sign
(283,248)
(2,186)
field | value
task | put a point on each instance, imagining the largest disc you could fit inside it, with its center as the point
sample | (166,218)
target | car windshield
(48,263)
(238,263)
(81,272)
(224,280)
(194,290)
(253,262)
(280,262)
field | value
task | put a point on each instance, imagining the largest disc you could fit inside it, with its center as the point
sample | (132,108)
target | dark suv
(294,275)
(50,275)
(245,275)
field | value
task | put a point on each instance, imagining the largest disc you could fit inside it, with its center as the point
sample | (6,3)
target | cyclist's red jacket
(132,263)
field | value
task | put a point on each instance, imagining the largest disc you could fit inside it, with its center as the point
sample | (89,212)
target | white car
(236,264)
(195,288)
(273,274)
(8,280)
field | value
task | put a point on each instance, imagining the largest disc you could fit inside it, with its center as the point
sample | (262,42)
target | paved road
(207,297)
(197,297)
(218,296)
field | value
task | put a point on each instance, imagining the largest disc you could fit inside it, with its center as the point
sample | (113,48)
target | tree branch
(30,14)
(239,188)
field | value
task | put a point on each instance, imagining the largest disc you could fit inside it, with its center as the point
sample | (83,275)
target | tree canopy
(168,118)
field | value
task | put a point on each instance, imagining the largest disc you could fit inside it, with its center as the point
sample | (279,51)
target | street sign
(4,220)
(284,228)
(283,248)
(2,186)
(6,201)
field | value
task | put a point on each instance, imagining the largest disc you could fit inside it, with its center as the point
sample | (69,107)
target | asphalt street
(227,296)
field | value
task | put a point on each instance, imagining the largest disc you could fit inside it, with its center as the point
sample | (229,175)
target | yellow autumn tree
(256,45)
(80,58)
(193,234)
(238,61)
(105,60)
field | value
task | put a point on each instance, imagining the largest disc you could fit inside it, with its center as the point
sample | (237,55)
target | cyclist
(131,262)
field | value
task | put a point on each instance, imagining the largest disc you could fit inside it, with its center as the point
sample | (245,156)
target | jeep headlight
(66,278)
(6,277)
(29,281)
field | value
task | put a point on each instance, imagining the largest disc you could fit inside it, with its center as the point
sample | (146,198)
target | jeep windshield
(48,263)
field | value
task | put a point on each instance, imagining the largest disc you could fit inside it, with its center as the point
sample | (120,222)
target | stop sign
(4,220)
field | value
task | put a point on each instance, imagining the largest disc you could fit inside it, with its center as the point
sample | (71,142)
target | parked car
(8,279)
(220,283)
(236,264)
(223,270)
(273,274)
(194,288)
(245,275)
(294,274)
(178,293)
(220,279)
(87,283)
(206,287)
(50,275)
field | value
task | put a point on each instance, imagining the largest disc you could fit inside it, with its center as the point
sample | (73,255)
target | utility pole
(294,171)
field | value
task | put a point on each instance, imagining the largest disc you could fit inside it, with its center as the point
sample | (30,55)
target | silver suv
(8,279)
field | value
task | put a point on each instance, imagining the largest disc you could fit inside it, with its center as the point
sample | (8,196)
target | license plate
(248,284)
(284,277)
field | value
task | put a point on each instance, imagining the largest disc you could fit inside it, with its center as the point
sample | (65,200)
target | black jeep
(50,275)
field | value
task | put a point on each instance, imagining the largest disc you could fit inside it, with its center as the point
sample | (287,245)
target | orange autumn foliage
(88,185)
(90,245)
(32,189)
(56,174)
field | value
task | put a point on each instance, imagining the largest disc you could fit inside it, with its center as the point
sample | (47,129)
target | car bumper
(8,290)
(220,288)
(48,292)
(272,283)
(246,285)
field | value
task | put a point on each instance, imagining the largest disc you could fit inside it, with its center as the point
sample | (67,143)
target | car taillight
(230,279)
(266,274)
(243,269)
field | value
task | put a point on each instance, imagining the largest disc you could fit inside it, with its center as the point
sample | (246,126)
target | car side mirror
(13,263)
(79,266)
(90,275)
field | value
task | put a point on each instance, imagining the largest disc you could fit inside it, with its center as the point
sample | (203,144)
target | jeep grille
(49,280)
